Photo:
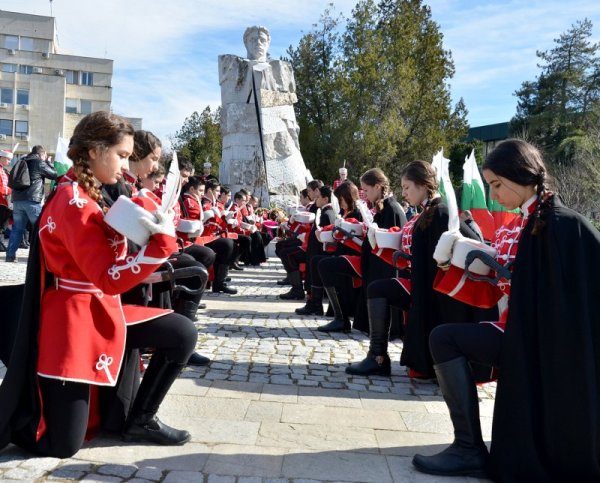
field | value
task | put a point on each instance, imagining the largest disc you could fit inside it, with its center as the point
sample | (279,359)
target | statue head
(257,40)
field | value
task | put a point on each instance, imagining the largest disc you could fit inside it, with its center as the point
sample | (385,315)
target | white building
(43,93)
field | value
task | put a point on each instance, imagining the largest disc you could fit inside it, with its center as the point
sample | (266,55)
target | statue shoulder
(232,67)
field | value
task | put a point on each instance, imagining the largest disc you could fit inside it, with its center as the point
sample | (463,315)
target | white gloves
(229,215)
(207,215)
(371,234)
(232,222)
(216,211)
(164,223)
(444,247)
(338,222)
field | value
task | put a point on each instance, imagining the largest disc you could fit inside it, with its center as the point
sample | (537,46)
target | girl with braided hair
(545,344)
(72,341)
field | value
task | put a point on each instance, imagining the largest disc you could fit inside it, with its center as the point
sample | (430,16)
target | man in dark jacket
(27,203)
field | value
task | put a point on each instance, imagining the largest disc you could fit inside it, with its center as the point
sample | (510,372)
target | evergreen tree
(199,139)
(559,107)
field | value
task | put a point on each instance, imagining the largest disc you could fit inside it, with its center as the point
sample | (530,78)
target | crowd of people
(407,269)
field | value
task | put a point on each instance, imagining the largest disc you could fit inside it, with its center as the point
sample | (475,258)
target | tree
(564,101)
(316,65)
(379,93)
(199,139)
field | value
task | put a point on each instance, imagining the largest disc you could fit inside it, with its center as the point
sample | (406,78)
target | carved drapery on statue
(261,151)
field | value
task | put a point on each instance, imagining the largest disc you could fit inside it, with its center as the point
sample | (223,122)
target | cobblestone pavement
(274,405)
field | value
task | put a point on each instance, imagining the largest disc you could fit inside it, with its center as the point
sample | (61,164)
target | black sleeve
(47,171)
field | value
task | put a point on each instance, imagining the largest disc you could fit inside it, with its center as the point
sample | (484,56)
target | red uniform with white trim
(83,323)
(5,191)
(455,283)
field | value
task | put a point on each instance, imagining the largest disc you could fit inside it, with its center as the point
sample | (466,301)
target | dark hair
(144,143)
(192,182)
(184,163)
(304,193)
(244,192)
(375,176)
(157,173)
(314,184)
(422,173)
(225,190)
(522,163)
(325,192)
(211,184)
(38,149)
(98,130)
(238,196)
(349,193)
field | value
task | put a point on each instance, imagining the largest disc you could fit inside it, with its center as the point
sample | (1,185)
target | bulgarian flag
(473,197)
(442,169)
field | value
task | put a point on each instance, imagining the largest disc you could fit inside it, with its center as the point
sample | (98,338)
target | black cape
(430,308)
(547,413)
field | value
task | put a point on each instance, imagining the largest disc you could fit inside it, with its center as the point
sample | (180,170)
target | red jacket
(83,323)
(4,189)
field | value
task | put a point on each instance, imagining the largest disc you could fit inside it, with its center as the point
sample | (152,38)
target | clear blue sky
(165,53)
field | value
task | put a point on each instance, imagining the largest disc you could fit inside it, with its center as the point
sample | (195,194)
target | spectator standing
(27,203)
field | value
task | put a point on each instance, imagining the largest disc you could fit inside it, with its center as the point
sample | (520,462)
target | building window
(86,107)
(22,96)
(27,44)
(71,106)
(72,76)
(87,78)
(9,67)
(6,127)
(11,42)
(6,96)
(25,69)
(21,128)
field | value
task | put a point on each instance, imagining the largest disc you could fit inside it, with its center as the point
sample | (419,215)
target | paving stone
(349,417)
(339,466)
(101,478)
(186,477)
(122,471)
(149,473)
(247,460)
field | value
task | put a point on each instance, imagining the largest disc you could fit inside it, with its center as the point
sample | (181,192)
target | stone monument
(260,133)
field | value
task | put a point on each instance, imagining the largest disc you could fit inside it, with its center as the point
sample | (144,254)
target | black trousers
(338,272)
(479,343)
(66,404)
(201,254)
(286,243)
(314,268)
(257,249)
(223,248)
(391,290)
(241,248)
(292,257)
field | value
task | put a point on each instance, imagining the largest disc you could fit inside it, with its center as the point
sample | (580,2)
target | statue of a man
(260,133)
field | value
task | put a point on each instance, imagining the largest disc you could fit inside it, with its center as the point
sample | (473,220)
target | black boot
(142,423)
(284,281)
(187,308)
(467,455)
(340,322)
(296,292)
(314,305)
(219,284)
(198,360)
(377,361)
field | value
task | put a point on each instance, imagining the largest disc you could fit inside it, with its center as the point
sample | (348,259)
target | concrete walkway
(275,405)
